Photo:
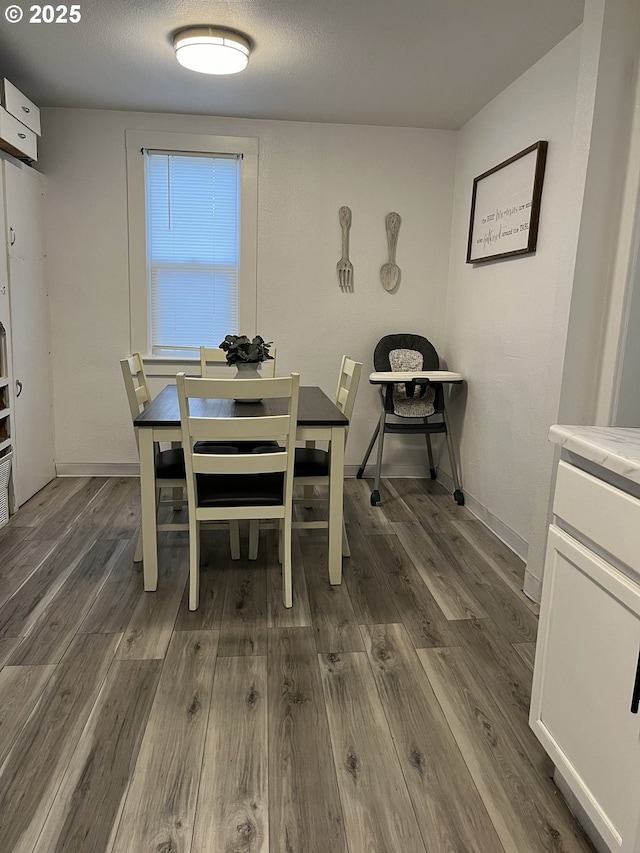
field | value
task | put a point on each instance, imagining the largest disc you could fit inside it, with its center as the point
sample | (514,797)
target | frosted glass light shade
(211,50)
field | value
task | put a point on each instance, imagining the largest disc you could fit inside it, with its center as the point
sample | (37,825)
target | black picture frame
(505,207)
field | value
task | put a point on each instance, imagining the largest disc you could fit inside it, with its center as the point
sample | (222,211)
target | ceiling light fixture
(212,50)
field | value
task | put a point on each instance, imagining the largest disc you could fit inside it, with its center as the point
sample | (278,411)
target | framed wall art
(505,207)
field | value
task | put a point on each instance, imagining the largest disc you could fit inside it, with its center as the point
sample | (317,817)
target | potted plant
(247,356)
(242,351)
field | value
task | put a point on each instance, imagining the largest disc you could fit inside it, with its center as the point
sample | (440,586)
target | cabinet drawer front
(20,107)
(607,516)
(16,138)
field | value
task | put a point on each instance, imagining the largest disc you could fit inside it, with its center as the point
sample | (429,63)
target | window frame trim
(196,143)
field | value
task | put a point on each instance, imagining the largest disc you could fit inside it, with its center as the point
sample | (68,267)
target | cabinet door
(32,407)
(23,189)
(586,660)
(33,398)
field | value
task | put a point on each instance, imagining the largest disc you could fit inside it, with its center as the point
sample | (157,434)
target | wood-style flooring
(385,715)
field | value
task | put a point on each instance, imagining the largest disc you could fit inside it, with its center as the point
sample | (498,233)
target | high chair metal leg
(368,453)
(457,494)
(375,494)
(432,467)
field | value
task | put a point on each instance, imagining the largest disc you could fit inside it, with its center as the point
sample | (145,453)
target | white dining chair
(311,467)
(253,486)
(169,464)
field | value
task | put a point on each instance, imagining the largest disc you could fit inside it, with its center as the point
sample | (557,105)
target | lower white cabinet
(584,706)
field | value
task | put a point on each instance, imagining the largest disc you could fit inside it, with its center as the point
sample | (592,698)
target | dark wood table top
(314,409)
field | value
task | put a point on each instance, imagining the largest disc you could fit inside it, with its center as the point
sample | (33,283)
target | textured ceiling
(414,63)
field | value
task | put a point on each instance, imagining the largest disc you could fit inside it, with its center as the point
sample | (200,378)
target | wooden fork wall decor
(344,265)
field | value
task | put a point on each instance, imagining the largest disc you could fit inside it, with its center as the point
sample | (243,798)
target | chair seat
(240,446)
(235,490)
(170,465)
(311,462)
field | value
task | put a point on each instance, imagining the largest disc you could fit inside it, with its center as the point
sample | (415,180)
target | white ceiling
(413,63)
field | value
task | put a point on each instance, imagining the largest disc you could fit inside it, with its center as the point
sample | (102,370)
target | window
(192,228)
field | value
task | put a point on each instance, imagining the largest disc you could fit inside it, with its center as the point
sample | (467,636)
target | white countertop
(615,448)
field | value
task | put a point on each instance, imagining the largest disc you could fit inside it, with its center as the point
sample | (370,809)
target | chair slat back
(267,428)
(348,381)
(214,358)
(135,383)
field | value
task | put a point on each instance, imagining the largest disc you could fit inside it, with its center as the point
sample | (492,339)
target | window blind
(193,248)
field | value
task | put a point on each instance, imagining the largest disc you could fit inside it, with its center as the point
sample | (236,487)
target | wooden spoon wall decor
(390,272)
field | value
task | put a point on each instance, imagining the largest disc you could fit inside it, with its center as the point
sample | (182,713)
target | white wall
(506,320)
(306,172)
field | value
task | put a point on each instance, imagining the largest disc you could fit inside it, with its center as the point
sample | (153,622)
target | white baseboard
(97,469)
(532,587)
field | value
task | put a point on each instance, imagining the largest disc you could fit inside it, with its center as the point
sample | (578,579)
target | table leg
(148,510)
(336,499)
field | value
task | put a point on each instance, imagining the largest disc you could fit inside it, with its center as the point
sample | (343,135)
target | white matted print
(505,207)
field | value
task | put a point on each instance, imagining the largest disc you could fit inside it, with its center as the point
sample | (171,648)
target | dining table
(319,419)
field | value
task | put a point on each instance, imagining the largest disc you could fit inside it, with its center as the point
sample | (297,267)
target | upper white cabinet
(585,702)
(20,107)
(19,123)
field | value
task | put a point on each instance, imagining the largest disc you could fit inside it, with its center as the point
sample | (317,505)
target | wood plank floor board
(160,807)
(120,514)
(334,621)
(51,634)
(114,605)
(499,602)
(527,652)
(11,538)
(392,502)
(69,513)
(378,812)
(31,773)
(438,574)
(502,560)
(448,807)
(150,628)
(358,509)
(421,613)
(507,680)
(243,629)
(48,502)
(232,813)
(427,497)
(304,806)
(20,563)
(367,583)
(20,688)
(497,762)
(87,808)
(7,646)
(25,607)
